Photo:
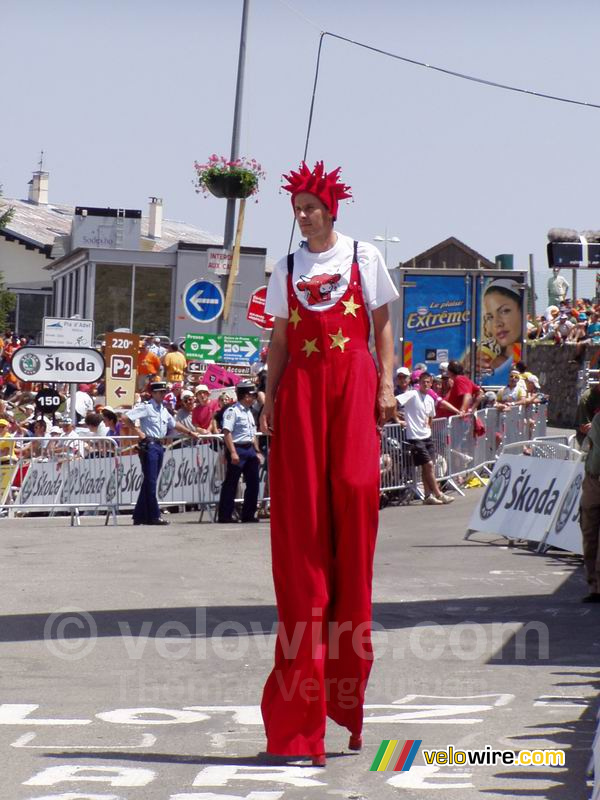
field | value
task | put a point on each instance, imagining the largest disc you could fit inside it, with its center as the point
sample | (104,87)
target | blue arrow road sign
(203,301)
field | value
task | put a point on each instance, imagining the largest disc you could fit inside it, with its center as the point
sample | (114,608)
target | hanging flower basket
(232,185)
(230,179)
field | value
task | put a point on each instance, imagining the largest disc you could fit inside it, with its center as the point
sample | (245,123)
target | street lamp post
(385,239)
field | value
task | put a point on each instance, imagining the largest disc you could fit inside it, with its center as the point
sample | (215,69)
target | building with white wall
(116,266)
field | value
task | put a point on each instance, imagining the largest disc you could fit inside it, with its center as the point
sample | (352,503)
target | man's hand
(267,416)
(585,427)
(386,404)
(235,459)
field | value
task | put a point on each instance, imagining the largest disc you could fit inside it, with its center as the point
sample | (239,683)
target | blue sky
(124,96)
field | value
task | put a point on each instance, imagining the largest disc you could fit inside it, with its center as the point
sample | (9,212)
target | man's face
(248,399)
(158,395)
(402,381)
(425,383)
(202,398)
(312,216)
(513,379)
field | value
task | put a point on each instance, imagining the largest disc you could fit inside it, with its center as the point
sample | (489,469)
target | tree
(5,215)
(7,300)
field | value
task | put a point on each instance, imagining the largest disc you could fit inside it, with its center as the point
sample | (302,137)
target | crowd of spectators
(454,393)
(575,322)
(189,400)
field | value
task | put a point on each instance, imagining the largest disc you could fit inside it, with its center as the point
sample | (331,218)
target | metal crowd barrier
(85,474)
(460,453)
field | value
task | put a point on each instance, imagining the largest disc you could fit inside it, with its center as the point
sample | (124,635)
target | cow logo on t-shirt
(318,288)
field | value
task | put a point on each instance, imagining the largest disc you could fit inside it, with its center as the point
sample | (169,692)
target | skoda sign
(570,500)
(58,364)
(495,491)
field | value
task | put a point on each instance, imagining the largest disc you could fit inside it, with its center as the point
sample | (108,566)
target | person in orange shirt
(175,364)
(148,363)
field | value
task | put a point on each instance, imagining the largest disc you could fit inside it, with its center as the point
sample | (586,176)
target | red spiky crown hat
(324,185)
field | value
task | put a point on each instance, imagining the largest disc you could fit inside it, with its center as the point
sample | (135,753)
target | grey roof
(39,225)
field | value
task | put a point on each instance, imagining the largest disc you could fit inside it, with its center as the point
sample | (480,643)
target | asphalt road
(152,692)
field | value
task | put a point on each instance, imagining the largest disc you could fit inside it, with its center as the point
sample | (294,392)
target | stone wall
(558,372)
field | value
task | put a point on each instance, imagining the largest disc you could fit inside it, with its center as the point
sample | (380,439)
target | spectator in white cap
(402,380)
(184,415)
(534,393)
(157,348)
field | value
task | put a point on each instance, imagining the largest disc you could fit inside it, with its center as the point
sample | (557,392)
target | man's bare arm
(384,345)
(276,363)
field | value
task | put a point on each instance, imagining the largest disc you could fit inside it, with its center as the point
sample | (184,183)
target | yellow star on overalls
(338,340)
(295,318)
(310,347)
(350,306)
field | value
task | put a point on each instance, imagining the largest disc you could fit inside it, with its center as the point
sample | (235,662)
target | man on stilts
(325,397)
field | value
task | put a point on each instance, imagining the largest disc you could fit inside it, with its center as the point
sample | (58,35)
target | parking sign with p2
(120,354)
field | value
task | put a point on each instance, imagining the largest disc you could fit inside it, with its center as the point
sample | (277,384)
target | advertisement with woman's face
(500,334)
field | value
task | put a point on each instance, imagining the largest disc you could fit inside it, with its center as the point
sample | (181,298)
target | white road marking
(292,776)
(424,777)
(138,716)
(148,739)
(213,796)
(18,713)
(114,776)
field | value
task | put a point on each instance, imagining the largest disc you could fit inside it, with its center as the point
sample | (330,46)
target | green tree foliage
(6,214)
(7,303)
(7,299)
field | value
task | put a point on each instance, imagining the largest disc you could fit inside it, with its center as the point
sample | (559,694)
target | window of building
(152,303)
(31,314)
(112,297)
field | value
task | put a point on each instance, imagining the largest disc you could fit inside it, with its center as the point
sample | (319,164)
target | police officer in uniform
(155,424)
(242,454)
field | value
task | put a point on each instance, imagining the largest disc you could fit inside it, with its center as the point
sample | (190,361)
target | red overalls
(324,479)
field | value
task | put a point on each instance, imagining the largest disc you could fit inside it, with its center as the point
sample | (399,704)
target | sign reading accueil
(222,347)
(58,364)
(59,332)
(203,301)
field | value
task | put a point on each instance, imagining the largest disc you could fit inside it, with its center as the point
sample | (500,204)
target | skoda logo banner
(568,505)
(58,364)
(495,491)
(528,497)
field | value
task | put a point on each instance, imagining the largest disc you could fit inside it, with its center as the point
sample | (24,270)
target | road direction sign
(203,301)
(222,347)
(120,352)
(59,332)
(256,309)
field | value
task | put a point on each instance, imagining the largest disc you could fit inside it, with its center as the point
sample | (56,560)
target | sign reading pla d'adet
(58,364)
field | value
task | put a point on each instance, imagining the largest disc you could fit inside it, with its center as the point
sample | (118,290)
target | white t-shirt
(418,408)
(83,403)
(378,288)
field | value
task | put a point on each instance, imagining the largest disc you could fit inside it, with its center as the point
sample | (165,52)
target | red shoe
(355,742)
(320,760)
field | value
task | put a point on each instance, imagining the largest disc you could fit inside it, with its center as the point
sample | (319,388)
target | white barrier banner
(523,496)
(566,531)
(188,475)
